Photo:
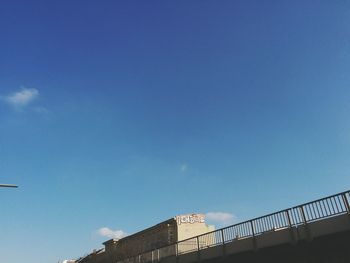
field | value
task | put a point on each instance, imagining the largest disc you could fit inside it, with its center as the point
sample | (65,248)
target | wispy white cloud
(183,167)
(109,233)
(21,98)
(221,218)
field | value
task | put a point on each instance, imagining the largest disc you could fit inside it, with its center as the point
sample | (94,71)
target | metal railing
(292,217)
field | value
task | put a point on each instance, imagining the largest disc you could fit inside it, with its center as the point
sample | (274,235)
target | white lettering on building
(190,219)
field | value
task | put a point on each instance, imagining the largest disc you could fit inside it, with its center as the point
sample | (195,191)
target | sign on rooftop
(190,219)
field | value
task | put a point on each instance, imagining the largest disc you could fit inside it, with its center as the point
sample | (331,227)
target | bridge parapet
(303,222)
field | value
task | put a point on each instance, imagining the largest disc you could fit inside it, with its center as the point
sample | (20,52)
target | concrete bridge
(317,231)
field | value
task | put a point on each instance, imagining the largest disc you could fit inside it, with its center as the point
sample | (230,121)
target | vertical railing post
(306,227)
(223,242)
(291,231)
(252,228)
(198,248)
(152,256)
(253,235)
(222,236)
(346,203)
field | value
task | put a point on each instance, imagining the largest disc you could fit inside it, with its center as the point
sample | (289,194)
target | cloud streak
(221,218)
(183,168)
(22,98)
(109,233)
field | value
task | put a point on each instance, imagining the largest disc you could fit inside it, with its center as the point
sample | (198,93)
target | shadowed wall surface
(327,249)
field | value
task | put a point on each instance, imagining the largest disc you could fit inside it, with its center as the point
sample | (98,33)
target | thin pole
(9,185)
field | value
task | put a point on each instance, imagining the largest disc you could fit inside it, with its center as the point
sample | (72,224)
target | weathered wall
(191,225)
(157,236)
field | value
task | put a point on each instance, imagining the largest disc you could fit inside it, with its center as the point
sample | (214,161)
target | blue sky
(116,115)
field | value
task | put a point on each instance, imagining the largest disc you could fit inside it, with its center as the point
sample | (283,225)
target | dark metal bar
(252,228)
(302,214)
(314,215)
(223,243)
(341,204)
(259,228)
(318,211)
(262,225)
(281,220)
(288,218)
(331,201)
(329,209)
(270,223)
(198,249)
(324,208)
(336,204)
(346,203)
(222,236)
(318,204)
(294,216)
(273,222)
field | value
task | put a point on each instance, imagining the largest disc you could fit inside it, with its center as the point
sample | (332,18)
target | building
(191,225)
(162,235)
